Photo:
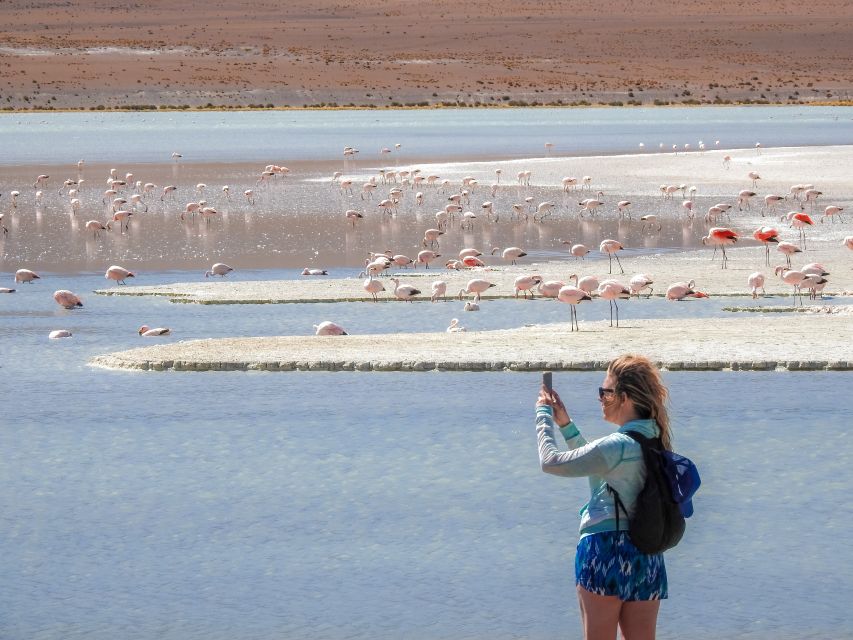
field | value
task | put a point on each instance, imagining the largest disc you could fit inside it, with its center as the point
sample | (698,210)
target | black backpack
(658,523)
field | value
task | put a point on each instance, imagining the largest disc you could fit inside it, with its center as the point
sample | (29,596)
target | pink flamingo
(329,328)
(95,227)
(788,249)
(793,278)
(439,290)
(526,283)
(455,327)
(477,287)
(577,250)
(720,237)
(610,247)
(59,333)
(510,253)
(471,262)
(67,299)
(168,192)
(848,242)
(404,292)
(469,252)
(766,236)
(587,283)
(755,281)
(25,275)
(681,290)
(314,272)
(640,282)
(431,238)
(614,290)
(551,288)
(573,296)
(147,332)
(426,256)
(119,274)
(831,212)
(218,269)
(373,287)
(353,216)
(800,221)
(123,219)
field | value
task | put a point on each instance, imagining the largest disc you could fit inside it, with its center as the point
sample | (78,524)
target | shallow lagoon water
(369,505)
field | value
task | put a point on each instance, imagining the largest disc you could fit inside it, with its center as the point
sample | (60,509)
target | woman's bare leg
(638,619)
(599,615)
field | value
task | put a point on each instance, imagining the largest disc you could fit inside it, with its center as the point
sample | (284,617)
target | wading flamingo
(25,275)
(67,299)
(476,287)
(610,247)
(614,290)
(218,269)
(118,274)
(720,237)
(439,290)
(788,249)
(147,332)
(573,296)
(525,284)
(328,328)
(682,290)
(755,281)
(404,292)
(766,236)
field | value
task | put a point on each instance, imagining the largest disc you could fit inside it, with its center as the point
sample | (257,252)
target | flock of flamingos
(126,197)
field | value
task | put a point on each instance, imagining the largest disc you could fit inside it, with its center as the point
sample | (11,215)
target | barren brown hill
(297,52)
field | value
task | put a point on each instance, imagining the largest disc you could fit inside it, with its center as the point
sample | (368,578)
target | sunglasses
(604,392)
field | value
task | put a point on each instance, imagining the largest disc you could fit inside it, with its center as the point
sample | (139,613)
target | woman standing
(617,585)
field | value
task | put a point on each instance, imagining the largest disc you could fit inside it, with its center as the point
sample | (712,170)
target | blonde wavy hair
(639,379)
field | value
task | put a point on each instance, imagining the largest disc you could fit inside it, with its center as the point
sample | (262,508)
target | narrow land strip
(801,342)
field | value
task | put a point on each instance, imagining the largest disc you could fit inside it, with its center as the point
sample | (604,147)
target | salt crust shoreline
(801,342)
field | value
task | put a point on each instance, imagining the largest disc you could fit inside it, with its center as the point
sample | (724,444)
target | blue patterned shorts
(609,564)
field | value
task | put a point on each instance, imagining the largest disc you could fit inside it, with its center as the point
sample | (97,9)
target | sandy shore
(664,268)
(801,342)
(362,53)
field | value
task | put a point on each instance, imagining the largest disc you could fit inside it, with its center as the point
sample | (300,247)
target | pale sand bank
(665,269)
(801,342)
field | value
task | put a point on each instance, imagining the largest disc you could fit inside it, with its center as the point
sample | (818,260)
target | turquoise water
(288,136)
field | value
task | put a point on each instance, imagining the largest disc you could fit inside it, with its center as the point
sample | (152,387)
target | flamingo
(788,249)
(431,238)
(831,211)
(67,299)
(470,251)
(353,216)
(623,208)
(455,327)
(147,332)
(40,181)
(510,253)
(614,290)
(610,247)
(577,250)
(755,281)
(471,306)
(373,287)
(401,261)
(95,227)
(800,221)
(426,256)
(815,284)
(526,283)
(471,262)
(720,237)
(551,288)
(681,290)
(573,296)
(404,292)
(640,282)
(587,283)
(753,175)
(590,205)
(329,328)
(771,201)
(25,275)
(847,242)
(793,278)
(218,269)
(123,218)
(314,272)
(250,196)
(569,184)
(650,220)
(543,210)
(168,192)
(688,206)
(59,333)
(477,287)
(743,199)
(118,274)
(811,195)
(439,290)
(766,236)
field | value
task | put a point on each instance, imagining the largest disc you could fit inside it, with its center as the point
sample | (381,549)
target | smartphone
(547,380)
